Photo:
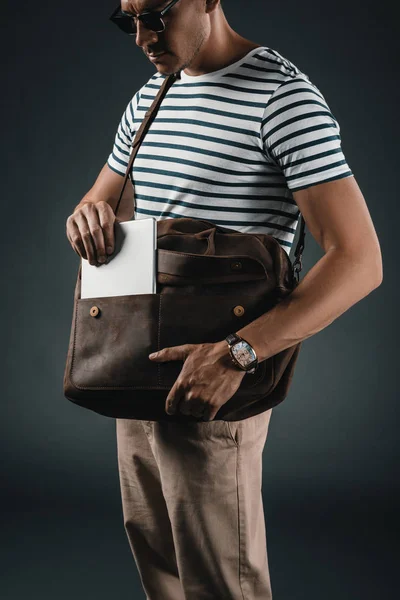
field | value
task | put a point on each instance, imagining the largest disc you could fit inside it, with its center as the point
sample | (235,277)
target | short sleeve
(301,136)
(119,157)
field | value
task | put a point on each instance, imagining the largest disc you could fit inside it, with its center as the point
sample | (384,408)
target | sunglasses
(151,19)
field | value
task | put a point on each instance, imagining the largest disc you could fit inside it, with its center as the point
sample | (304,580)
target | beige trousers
(192,507)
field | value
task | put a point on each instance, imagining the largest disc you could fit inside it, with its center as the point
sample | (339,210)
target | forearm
(335,283)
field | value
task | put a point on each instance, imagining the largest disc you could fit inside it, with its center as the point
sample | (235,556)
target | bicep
(337,216)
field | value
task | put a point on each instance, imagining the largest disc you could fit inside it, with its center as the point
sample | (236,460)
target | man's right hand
(90,228)
(90,231)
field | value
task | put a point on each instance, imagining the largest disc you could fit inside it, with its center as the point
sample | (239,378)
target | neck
(223,47)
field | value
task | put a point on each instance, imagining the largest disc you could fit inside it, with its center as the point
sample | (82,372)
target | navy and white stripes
(231,146)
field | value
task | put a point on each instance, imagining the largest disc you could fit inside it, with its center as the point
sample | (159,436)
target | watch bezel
(252,366)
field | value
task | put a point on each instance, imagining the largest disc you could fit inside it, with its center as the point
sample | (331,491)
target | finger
(209,413)
(185,407)
(173,399)
(76,250)
(191,404)
(75,240)
(172,353)
(165,354)
(212,416)
(107,221)
(96,232)
(72,245)
(86,237)
(197,408)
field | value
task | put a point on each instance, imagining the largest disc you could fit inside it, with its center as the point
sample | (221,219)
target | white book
(131,269)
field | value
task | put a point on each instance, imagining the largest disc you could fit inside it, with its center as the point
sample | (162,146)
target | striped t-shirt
(232,145)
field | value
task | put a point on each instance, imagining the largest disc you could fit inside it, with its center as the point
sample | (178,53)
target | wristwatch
(242,353)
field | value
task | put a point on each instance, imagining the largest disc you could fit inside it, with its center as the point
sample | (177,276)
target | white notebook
(131,269)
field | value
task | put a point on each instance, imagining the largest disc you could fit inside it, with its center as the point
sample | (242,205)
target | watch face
(243,353)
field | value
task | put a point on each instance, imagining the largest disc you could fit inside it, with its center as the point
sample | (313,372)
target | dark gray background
(331,486)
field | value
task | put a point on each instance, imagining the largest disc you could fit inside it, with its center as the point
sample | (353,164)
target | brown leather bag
(211,281)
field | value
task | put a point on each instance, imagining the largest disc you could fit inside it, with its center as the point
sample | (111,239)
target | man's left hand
(207,381)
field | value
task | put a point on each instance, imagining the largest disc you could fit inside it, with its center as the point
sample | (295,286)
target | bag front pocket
(113,337)
(112,340)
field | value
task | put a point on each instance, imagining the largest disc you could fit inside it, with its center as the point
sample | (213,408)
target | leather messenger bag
(211,281)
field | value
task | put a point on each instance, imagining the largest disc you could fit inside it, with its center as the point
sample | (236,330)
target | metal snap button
(236,265)
(238,310)
(94,311)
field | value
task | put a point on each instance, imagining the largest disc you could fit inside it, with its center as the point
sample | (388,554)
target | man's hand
(90,231)
(207,381)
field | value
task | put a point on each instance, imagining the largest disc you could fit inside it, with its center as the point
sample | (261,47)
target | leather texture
(211,281)
(108,369)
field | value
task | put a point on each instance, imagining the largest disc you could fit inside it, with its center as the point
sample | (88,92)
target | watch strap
(233,337)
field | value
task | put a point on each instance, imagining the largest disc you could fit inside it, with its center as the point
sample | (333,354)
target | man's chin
(165,69)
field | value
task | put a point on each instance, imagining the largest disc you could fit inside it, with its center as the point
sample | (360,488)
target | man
(245,140)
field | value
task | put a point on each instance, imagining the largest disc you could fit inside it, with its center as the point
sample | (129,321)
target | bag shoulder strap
(144,127)
(141,132)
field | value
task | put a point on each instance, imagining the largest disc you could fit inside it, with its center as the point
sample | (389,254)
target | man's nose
(145,36)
